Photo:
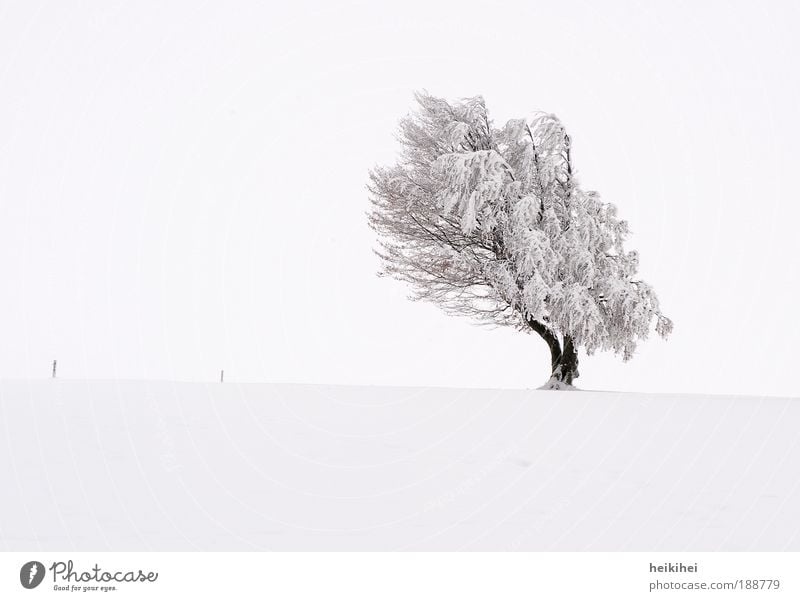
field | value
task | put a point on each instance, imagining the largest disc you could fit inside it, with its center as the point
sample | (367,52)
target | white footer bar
(400,576)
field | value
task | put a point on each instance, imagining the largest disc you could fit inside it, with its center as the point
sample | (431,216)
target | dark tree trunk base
(553,384)
(566,369)
(563,361)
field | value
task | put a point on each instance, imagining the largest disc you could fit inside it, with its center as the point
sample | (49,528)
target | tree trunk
(563,362)
(566,369)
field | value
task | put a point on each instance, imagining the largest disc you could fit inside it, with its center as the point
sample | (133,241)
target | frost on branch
(491,223)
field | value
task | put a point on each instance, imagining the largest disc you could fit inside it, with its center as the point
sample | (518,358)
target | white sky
(182,184)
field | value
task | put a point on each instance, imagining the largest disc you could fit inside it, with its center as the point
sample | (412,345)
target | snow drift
(176,466)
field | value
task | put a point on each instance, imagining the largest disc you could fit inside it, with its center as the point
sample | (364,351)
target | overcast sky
(183,184)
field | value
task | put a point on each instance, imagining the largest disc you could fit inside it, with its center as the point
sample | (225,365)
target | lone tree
(491,223)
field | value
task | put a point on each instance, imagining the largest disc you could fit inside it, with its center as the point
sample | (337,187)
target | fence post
(54,368)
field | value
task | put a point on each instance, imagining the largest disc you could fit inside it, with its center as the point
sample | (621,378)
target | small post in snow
(221,376)
(54,368)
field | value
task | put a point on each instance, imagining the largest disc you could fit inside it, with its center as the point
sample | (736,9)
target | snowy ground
(167,466)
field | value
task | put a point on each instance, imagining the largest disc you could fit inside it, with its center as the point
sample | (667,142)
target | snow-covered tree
(491,223)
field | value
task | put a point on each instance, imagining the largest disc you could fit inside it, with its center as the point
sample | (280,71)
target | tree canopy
(491,223)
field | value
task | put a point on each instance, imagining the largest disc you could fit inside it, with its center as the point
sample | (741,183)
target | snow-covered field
(177,466)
